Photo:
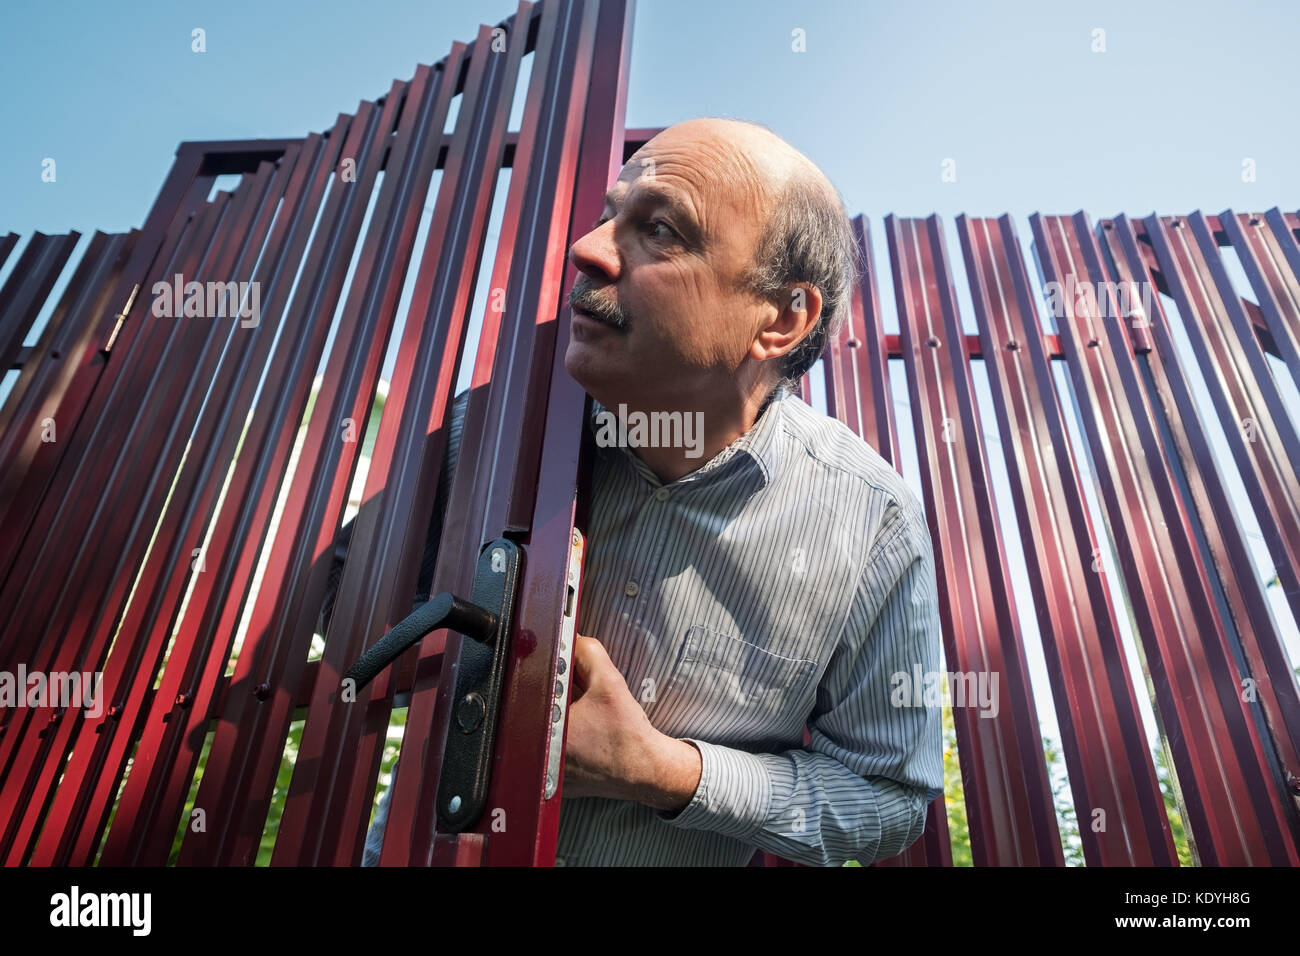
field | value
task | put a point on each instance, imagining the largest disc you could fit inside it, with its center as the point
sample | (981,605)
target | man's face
(661,271)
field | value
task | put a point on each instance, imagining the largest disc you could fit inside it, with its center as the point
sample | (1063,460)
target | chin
(585,368)
(606,384)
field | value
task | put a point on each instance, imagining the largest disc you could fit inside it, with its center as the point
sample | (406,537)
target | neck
(707,427)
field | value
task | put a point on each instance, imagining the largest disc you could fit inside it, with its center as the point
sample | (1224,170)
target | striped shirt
(780,585)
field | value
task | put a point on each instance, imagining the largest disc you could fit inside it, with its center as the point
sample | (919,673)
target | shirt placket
(651,535)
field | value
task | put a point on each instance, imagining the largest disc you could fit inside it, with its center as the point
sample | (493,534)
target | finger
(588,657)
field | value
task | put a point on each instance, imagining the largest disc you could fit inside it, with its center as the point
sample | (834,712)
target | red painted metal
(138,643)
(328,798)
(48,371)
(7,244)
(29,285)
(1266,663)
(1261,435)
(246,750)
(149,621)
(181,434)
(1008,798)
(858,394)
(1235,812)
(560,498)
(856,363)
(165,761)
(1110,767)
(77,401)
(503,415)
(62,607)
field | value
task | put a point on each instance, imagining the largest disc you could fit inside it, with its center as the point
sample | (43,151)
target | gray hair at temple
(807,238)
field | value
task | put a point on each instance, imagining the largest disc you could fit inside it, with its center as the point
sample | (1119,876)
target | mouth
(592,317)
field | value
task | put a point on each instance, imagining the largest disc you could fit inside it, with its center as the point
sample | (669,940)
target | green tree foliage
(1066,820)
(954,795)
(1165,779)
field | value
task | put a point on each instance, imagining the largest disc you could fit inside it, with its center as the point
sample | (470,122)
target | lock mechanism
(486,621)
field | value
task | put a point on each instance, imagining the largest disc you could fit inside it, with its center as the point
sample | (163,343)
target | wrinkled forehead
(716,183)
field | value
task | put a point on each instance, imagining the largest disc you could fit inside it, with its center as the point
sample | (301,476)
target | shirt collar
(755,453)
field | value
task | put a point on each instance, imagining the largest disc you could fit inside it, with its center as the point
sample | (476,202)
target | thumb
(589,659)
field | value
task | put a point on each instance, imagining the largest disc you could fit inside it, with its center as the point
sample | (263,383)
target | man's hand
(612,749)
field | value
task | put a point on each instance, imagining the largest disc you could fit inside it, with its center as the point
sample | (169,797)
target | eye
(652,224)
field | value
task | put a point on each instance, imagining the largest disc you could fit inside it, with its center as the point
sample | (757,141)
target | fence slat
(480,502)
(1106,753)
(29,285)
(1008,797)
(143,631)
(379,579)
(1233,815)
(1261,644)
(150,806)
(249,741)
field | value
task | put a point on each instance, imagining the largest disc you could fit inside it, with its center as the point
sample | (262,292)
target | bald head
(751,153)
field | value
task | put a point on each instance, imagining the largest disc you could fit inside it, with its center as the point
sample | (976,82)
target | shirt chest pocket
(728,691)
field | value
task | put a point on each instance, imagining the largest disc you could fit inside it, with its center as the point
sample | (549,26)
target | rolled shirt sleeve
(861,789)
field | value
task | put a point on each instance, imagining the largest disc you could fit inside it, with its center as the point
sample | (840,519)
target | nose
(596,254)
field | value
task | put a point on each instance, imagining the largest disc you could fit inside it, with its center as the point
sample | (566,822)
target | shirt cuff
(898,813)
(733,796)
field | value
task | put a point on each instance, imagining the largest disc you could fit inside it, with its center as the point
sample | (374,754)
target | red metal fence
(172,482)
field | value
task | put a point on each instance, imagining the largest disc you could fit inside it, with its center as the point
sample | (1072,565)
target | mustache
(585,298)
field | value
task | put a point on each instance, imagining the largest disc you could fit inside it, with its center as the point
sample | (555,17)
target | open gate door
(200,477)
(517,482)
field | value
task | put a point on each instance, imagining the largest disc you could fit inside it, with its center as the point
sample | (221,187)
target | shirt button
(662,494)
(631,588)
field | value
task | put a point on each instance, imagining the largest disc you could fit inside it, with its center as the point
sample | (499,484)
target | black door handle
(487,621)
(444,610)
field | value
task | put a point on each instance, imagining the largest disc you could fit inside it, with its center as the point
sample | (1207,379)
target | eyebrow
(669,200)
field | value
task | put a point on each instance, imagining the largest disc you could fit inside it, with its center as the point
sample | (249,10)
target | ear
(789,321)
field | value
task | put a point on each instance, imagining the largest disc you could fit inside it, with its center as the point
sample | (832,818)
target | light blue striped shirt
(781,584)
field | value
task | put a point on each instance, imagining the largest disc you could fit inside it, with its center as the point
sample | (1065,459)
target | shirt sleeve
(860,790)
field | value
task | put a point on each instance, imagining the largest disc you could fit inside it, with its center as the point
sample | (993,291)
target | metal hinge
(121,317)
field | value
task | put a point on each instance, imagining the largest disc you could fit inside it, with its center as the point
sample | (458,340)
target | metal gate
(174,481)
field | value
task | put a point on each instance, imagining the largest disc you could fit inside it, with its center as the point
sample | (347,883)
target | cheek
(684,315)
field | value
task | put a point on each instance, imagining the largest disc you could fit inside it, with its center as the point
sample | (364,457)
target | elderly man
(774,574)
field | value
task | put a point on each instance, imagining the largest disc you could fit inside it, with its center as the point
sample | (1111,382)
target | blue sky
(1012,92)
